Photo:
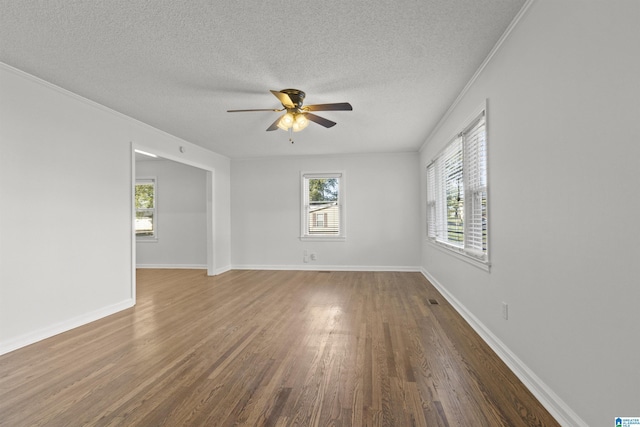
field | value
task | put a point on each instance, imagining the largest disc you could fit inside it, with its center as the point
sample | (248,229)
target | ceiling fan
(297,116)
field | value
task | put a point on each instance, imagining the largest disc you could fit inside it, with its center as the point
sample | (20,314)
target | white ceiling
(178,66)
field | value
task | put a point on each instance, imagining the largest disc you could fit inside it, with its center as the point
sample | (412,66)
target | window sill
(148,240)
(323,238)
(460,254)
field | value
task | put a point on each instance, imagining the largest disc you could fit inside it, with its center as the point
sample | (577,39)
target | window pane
(145,196)
(476,176)
(431,201)
(323,189)
(324,219)
(145,200)
(454,187)
(322,209)
(144,223)
(477,233)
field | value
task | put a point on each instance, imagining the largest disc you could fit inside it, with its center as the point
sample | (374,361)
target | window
(146,218)
(457,193)
(323,206)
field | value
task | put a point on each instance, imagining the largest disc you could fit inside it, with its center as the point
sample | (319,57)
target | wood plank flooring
(269,348)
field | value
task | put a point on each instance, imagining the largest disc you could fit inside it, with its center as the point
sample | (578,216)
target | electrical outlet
(505,311)
(305,256)
(313,256)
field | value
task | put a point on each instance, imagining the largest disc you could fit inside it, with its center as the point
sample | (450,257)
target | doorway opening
(180,213)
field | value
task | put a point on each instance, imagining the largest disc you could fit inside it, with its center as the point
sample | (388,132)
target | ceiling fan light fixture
(300,122)
(286,121)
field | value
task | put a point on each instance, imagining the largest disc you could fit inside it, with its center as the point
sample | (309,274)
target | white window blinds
(431,201)
(475,157)
(457,193)
(451,180)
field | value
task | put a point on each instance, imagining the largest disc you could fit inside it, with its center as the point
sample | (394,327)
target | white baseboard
(222,270)
(67,325)
(174,266)
(311,267)
(185,267)
(551,401)
(308,267)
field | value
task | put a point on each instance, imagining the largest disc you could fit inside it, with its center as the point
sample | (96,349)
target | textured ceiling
(179,66)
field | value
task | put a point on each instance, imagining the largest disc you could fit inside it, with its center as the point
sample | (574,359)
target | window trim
(304,194)
(154,237)
(460,252)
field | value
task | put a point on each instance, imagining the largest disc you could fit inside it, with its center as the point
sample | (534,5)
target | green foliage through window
(323,189)
(145,208)
(144,196)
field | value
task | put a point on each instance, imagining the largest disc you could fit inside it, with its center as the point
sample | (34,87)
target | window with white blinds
(457,193)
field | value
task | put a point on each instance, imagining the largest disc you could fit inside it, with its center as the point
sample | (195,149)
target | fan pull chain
(291,135)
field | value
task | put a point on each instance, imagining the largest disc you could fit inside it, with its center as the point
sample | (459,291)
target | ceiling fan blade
(284,98)
(274,125)
(338,106)
(320,120)
(258,109)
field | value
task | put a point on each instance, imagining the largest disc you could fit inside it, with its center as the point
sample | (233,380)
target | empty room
(409,213)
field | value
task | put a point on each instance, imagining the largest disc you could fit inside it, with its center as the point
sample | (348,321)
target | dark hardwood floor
(269,348)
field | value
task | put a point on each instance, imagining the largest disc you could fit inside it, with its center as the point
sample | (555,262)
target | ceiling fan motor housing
(296,96)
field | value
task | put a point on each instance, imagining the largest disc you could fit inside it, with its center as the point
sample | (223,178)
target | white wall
(66,207)
(382,205)
(563,133)
(181,199)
